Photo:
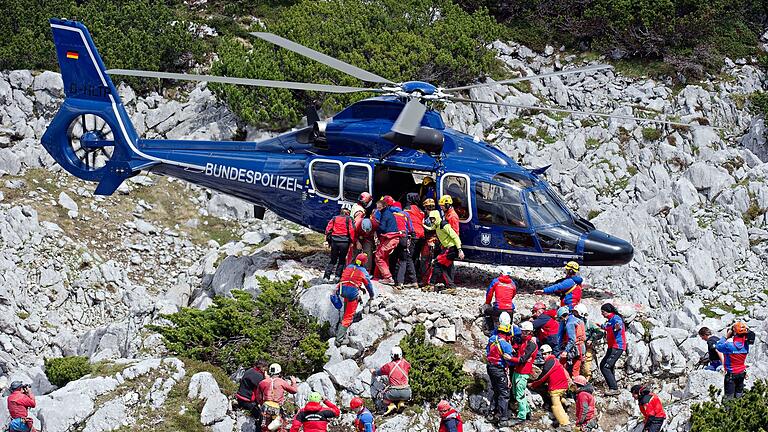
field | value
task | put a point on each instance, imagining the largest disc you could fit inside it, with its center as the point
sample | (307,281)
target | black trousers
(500,387)
(405,269)
(339,251)
(733,385)
(255,410)
(417,246)
(607,365)
(654,424)
(446,272)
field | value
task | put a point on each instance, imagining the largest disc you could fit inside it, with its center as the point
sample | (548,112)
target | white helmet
(347,207)
(505,319)
(396,352)
(581,309)
(275,369)
(546,349)
(526,326)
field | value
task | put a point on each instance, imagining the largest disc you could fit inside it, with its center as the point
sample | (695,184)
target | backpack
(336,300)
(750,338)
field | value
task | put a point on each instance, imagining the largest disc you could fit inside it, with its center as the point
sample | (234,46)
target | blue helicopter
(385,145)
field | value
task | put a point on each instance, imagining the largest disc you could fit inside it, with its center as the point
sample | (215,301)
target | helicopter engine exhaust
(427,140)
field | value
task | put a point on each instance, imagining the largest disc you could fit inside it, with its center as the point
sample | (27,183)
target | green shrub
(759,102)
(62,370)
(238,331)
(432,40)
(436,372)
(748,413)
(651,134)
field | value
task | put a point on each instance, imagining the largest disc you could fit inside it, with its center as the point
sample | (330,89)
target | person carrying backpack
(339,233)
(572,337)
(353,279)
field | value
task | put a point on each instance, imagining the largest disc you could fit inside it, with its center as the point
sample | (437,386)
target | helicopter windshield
(544,209)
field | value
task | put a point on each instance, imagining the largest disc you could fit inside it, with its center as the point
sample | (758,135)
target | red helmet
(356,403)
(443,406)
(539,306)
(388,200)
(365,198)
(362,258)
(580,380)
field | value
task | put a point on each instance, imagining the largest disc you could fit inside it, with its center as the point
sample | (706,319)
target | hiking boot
(411,285)
(401,406)
(610,392)
(390,409)
(515,421)
(388,281)
(399,286)
(427,288)
(341,336)
(451,290)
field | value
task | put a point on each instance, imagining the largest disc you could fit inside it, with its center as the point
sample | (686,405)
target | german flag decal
(73,55)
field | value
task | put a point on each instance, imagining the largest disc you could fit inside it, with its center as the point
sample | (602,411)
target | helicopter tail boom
(91,136)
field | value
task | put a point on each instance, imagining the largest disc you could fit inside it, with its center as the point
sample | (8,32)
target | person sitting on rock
(498,354)
(314,417)
(650,407)
(735,347)
(450,419)
(503,290)
(554,375)
(248,395)
(340,234)
(353,279)
(572,337)
(398,390)
(714,357)
(585,405)
(568,288)
(363,417)
(272,391)
(20,401)
(545,326)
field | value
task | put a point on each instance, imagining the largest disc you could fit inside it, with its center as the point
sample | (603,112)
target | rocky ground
(84,275)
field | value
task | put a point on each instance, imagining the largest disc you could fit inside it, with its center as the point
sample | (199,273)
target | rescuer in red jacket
(340,234)
(450,419)
(585,405)
(314,417)
(650,407)
(553,374)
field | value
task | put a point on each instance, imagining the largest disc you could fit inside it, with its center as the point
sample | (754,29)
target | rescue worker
(363,207)
(450,419)
(365,236)
(363,417)
(594,334)
(19,402)
(616,339)
(314,417)
(554,375)
(545,326)
(585,405)
(405,268)
(272,391)
(339,234)
(525,354)
(714,357)
(428,190)
(735,347)
(451,250)
(417,219)
(503,290)
(449,214)
(430,248)
(568,288)
(572,338)
(650,407)
(389,238)
(353,279)
(498,353)
(398,390)
(248,395)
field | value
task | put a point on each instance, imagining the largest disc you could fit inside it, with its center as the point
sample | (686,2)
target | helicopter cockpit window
(325,178)
(458,188)
(356,181)
(544,208)
(499,205)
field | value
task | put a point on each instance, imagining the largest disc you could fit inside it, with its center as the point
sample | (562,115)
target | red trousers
(575,370)
(350,307)
(387,243)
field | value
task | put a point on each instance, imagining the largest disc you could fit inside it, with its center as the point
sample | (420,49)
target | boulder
(319,382)
(111,416)
(315,301)
(699,381)
(215,409)
(343,373)
(202,385)
(666,356)
(364,333)
(230,274)
(381,355)
(57,413)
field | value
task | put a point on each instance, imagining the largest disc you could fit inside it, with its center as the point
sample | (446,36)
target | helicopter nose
(601,249)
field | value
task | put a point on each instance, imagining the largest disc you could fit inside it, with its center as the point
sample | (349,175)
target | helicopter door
(357,177)
(323,192)
(503,225)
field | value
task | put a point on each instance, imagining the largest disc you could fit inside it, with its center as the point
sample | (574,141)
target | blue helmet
(367,225)
(563,310)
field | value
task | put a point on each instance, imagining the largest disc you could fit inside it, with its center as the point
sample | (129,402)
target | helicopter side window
(458,188)
(325,178)
(499,205)
(356,181)
(544,208)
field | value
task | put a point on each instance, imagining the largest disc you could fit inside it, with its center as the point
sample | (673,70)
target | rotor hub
(426,89)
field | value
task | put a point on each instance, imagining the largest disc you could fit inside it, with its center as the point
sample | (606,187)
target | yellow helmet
(505,328)
(427,180)
(572,265)
(429,202)
(446,199)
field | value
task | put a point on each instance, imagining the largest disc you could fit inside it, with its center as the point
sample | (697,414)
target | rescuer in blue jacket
(569,289)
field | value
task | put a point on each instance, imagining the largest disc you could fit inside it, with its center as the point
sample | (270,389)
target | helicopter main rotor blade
(586,113)
(533,77)
(409,120)
(244,81)
(322,58)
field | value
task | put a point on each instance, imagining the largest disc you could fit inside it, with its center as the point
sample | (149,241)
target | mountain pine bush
(62,370)
(748,413)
